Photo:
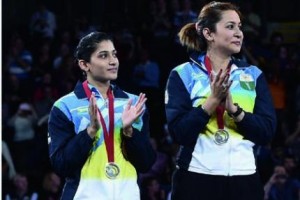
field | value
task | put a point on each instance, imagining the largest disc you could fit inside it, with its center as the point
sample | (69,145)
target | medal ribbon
(220,108)
(108,136)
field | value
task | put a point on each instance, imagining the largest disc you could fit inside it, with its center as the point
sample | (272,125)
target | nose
(238,33)
(113,60)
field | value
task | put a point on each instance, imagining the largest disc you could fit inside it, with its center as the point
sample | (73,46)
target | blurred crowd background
(38,67)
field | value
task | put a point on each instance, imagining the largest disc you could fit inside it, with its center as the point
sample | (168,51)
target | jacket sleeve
(259,126)
(185,122)
(139,150)
(68,151)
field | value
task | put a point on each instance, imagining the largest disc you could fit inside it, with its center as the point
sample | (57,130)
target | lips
(237,43)
(113,69)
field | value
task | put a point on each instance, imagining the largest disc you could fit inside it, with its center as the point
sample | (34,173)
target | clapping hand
(220,84)
(94,117)
(131,113)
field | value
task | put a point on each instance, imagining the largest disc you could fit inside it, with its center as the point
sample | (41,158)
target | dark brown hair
(88,44)
(208,17)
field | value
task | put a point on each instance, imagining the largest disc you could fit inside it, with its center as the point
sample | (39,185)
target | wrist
(236,111)
(127,131)
(233,109)
(205,111)
(91,131)
(210,105)
(213,101)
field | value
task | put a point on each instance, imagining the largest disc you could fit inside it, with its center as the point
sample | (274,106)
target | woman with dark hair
(98,134)
(218,108)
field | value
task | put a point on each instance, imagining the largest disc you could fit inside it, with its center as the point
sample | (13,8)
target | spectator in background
(160,23)
(183,16)
(45,93)
(8,169)
(42,23)
(10,163)
(19,60)
(159,168)
(173,10)
(5,181)
(146,76)
(292,141)
(276,40)
(14,91)
(159,26)
(291,166)
(23,124)
(127,54)
(66,75)
(51,187)
(152,189)
(21,189)
(62,47)
(281,187)
(265,161)
(83,27)
(251,22)
(63,52)
(277,86)
(42,61)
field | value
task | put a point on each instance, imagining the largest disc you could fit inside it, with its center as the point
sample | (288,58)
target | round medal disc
(112,170)
(221,136)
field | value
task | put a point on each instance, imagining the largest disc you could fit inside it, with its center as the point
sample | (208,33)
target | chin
(113,78)
(236,50)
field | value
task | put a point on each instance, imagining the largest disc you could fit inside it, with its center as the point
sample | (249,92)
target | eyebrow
(105,51)
(233,22)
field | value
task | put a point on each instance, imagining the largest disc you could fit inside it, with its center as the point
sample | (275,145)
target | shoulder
(119,92)
(184,70)
(65,103)
(122,94)
(65,99)
(240,63)
(181,66)
(247,68)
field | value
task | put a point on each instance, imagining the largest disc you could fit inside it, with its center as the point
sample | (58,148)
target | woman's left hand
(229,106)
(131,113)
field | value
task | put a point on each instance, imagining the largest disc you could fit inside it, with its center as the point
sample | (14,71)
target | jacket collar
(198,59)
(80,94)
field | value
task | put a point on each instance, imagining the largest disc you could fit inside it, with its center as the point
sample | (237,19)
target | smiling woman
(217,109)
(98,133)
(103,65)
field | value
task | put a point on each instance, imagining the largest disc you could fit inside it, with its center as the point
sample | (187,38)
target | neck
(101,86)
(218,61)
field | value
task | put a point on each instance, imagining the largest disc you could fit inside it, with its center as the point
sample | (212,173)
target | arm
(139,151)
(259,126)
(68,150)
(185,122)
(135,144)
(268,186)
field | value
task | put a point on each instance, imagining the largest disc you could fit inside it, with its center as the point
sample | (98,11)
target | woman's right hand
(220,84)
(94,117)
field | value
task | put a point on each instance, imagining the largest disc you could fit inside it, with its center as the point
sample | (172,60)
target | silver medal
(221,137)
(112,170)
